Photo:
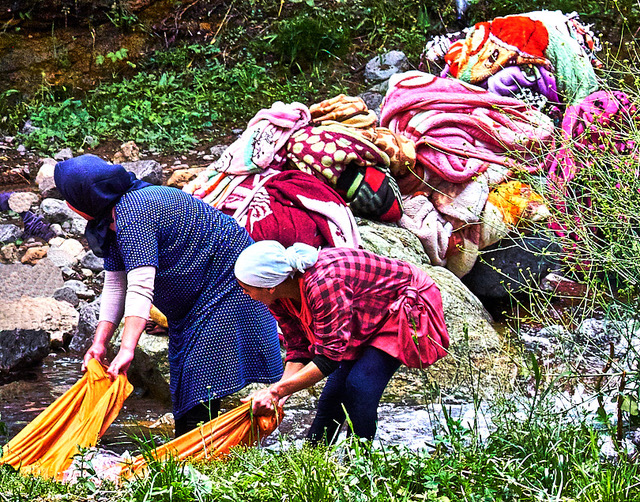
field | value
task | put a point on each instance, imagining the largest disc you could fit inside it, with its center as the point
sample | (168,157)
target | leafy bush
(170,109)
(304,40)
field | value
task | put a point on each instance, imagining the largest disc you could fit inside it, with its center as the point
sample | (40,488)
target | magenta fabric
(461,130)
(594,123)
(296,207)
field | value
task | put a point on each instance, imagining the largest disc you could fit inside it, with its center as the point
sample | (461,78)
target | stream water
(21,400)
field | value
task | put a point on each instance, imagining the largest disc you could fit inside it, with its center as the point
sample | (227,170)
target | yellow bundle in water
(213,439)
(78,418)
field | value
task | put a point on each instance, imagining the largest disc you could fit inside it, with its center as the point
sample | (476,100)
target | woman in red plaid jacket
(346,314)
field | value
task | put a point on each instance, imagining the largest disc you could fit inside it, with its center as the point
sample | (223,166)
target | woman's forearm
(104,332)
(304,377)
(133,328)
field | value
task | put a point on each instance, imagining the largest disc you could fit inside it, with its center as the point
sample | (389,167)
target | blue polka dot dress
(219,339)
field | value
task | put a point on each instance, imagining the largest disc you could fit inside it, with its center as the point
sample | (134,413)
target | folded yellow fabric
(518,202)
(346,110)
(158,317)
(213,439)
(78,418)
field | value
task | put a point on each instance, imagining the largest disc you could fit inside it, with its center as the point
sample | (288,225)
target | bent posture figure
(163,245)
(347,314)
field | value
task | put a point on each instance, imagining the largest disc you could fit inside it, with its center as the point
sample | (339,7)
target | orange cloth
(79,417)
(517,201)
(213,439)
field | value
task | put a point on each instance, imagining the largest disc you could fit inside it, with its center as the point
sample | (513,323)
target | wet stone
(66,294)
(22,347)
(10,233)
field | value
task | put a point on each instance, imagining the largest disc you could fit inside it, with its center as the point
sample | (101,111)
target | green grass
(165,109)
(547,458)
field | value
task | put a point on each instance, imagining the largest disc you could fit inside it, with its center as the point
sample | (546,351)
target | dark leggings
(200,413)
(358,385)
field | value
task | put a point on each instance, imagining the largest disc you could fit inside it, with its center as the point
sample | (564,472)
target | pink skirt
(415,332)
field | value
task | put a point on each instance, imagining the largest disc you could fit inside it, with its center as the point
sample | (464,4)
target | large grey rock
(10,233)
(146,170)
(87,324)
(92,262)
(150,366)
(58,319)
(475,345)
(18,280)
(149,369)
(21,348)
(382,67)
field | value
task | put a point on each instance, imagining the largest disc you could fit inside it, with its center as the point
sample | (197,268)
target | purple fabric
(36,226)
(512,80)
(4,200)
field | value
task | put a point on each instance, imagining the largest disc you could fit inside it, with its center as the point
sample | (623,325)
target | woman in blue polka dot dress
(163,245)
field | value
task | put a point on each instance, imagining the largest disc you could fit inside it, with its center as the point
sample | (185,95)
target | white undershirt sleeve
(139,296)
(113,294)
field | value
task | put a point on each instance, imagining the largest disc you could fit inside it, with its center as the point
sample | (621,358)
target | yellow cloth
(79,417)
(346,110)
(158,317)
(517,202)
(213,439)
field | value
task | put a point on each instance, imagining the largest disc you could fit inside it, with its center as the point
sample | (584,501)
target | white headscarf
(266,264)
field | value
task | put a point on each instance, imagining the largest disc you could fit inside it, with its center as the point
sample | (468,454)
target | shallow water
(22,399)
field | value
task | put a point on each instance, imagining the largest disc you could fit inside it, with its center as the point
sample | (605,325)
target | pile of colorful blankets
(443,158)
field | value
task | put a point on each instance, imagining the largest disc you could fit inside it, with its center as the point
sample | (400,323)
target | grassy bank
(543,457)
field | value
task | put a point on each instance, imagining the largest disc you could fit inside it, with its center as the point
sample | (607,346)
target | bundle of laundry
(260,145)
(77,419)
(540,57)
(467,140)
(460,130)
(601,122)
(346,160)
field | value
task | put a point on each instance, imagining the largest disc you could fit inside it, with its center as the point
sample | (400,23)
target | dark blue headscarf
(93,186)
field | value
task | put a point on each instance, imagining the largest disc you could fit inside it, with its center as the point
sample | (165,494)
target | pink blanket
(262,144)
(460,130)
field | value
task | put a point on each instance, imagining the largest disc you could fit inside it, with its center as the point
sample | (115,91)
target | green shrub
(307,39)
